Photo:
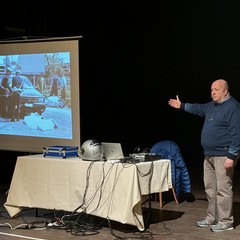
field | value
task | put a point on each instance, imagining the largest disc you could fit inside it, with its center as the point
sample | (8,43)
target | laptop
(112,151)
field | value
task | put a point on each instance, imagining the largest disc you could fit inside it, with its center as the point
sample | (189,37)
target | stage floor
(171,222)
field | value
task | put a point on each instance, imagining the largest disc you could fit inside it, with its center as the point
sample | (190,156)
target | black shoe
(181,197)
(189,197)
(12,120)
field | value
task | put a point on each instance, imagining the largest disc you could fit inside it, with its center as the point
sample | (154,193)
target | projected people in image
(41,83)
(55,80)
(15,97)
(5,91)
(63,85)
(37,113)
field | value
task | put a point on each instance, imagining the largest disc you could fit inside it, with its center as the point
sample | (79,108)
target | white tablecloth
(107,190)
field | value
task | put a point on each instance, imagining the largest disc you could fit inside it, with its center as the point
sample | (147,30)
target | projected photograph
(35,95)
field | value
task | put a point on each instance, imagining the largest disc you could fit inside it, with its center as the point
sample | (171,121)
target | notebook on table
(112,151)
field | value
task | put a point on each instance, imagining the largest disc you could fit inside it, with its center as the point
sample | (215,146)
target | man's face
(218,91)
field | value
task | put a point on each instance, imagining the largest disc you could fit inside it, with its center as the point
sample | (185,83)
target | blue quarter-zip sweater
(221,129)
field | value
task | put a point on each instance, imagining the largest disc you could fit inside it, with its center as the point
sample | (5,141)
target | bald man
(220,139)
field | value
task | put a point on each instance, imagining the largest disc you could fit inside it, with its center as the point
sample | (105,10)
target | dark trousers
(14,108)
(4,107)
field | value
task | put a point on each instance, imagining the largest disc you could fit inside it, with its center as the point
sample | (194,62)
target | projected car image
(31,100)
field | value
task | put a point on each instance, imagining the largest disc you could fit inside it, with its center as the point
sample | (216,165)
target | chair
(180,178)
(174,195)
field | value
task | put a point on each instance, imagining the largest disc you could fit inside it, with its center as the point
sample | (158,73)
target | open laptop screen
(112,151)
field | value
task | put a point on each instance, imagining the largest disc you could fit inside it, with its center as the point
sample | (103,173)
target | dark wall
(7,164)
(137,55)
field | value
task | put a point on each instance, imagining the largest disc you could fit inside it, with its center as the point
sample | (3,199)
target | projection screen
(48,112)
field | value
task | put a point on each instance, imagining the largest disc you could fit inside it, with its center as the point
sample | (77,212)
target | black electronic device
(144,157)
(141,157)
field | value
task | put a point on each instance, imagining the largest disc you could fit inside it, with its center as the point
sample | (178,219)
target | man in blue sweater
(220,139)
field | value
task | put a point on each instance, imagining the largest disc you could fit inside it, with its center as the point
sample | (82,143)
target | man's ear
(226,92)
